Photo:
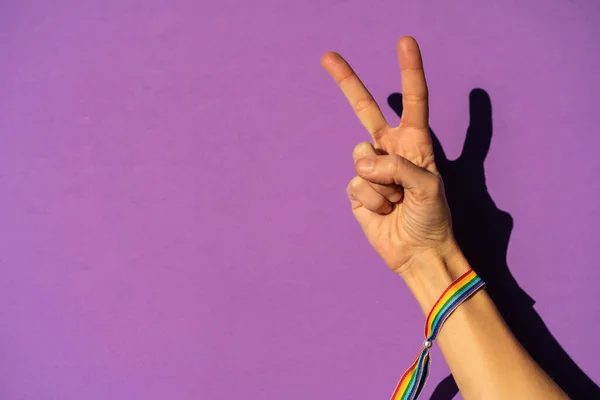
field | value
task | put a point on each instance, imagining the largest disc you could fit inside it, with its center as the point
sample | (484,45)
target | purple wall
(173,220)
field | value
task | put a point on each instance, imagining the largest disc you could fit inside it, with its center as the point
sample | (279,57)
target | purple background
(173,219)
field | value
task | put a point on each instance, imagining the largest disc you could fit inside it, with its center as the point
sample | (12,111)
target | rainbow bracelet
(414,378)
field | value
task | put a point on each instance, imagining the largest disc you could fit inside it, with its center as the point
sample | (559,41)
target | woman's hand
(397,196)
(398,199)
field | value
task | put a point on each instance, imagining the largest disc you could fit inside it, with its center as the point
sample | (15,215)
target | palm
(407,229)
(411,143)
(413,224)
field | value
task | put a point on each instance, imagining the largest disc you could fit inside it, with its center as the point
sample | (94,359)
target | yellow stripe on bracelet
(414,378)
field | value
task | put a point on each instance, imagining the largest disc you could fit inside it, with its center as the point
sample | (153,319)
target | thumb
(393,169)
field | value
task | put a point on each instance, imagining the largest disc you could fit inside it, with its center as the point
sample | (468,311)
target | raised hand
(398,195)
(399,200)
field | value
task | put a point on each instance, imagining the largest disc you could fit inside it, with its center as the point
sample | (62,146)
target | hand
(398,195)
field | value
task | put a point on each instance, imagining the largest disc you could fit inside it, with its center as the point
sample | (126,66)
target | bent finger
(361,194)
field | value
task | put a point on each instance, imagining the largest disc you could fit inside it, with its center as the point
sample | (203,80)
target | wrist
(428,274)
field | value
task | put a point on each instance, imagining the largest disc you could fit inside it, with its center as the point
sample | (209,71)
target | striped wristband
(414,378)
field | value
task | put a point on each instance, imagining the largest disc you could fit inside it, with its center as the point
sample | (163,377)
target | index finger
(360,99)
(415,105)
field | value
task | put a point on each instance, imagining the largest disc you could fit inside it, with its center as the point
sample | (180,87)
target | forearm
(486,360)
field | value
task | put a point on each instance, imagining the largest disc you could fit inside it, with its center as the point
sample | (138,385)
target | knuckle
(397,164)
(346,77)
(362,104)
(392,168)
(361,150)
(379,132)
(434,186)
(415,97)
(355,185)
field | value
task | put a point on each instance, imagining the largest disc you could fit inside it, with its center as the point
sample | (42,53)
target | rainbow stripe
(414,378)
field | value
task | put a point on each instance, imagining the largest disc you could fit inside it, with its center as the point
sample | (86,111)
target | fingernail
(365,165)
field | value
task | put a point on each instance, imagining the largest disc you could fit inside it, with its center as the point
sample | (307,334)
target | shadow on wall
(483,231)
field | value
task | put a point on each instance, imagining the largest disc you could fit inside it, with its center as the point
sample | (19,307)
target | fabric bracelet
(414,378)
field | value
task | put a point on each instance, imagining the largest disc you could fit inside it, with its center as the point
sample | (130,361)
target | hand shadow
(483,231)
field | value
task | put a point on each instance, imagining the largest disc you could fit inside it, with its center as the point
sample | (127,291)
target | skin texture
(397,197)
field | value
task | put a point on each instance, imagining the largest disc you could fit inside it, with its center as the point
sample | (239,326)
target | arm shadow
(483,232)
